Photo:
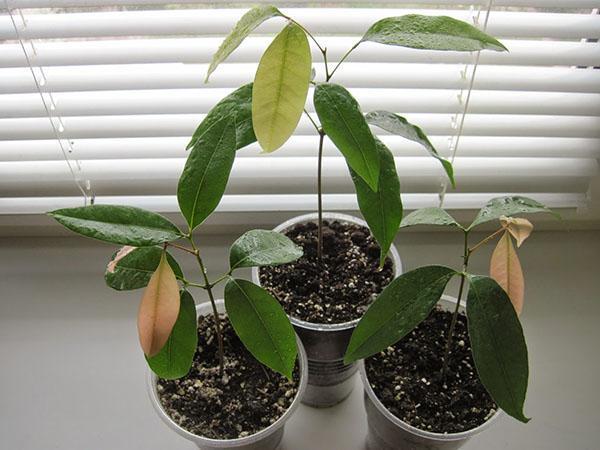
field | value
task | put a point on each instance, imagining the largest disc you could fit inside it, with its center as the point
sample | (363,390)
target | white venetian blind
(98,99)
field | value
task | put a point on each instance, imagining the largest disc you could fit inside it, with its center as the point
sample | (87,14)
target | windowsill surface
(73,376)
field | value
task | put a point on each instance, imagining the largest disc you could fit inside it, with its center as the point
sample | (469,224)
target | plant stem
(208,286)
(198,285)
(320,198)
(466,254)
(181,247)
(342,60)
(314,124)
(486,240)
(321,49)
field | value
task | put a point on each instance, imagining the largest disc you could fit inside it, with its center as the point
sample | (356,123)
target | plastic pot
(388,432)
(267,439)
(330,381)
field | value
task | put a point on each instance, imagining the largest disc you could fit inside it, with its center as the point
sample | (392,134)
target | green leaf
(249,21)
(498,345)
(175,359)
(508,206)
(262,325)
(402,305)
(133,271)
(206,173)
(395,124)
(431,33)
(125,225)
(262,248)
(382,209)
(280,87)
(429,216)
(344,123)
(235,107)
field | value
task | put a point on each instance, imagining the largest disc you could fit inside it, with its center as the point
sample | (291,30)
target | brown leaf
(123,251)
(505,268)
(158,309)
(518,227)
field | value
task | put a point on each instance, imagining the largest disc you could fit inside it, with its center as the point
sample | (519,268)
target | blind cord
(74,165)
(456,139)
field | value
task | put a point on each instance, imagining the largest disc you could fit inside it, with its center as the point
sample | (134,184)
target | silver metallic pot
(387,432)
(330,381)
(266,439)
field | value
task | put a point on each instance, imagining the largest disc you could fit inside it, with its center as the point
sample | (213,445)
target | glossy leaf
(395,124)
(280,87)
(431,33)
(206,172)
(505,268)
(131,267)
(262,248)
(249,21)
(498,345)
(175,359)
(518,227)
(429,216)
(382,209)
(124,225)
(262,325)
(159,309)
(402,305)
(235,107)
(508,206)
(344,123)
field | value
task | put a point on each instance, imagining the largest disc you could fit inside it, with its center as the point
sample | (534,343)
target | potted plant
(346,261)
(434,377)
(227,374)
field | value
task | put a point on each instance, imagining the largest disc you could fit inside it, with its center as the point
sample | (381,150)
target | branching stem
(320,198)
(208,287)
(486,240)
(181,247)
(463,276)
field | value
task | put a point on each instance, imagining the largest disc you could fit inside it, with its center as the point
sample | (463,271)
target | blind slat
(91,3)
(420,174)
(201,50)
(183,101)
(155,125)
(279,203)
(174,147)
(354,75)
(348,21)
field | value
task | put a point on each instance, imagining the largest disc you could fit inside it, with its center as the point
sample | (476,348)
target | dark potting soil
(248,398)
(406,378)
(340,288)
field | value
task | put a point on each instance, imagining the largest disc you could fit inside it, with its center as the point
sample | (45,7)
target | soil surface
(246,400)
(340,288)
(406,378)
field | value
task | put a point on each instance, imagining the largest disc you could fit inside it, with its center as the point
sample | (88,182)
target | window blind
(98,99)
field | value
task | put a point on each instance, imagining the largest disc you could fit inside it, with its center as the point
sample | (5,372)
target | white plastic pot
(330,381)
(388,432)
(267,439)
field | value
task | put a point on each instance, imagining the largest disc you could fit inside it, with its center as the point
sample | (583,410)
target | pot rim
(152,378)
(414,430)
(393,254)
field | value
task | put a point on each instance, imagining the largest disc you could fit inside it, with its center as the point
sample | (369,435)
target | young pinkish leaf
(518,227)
(175,359)
(159,309)
(505,268)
